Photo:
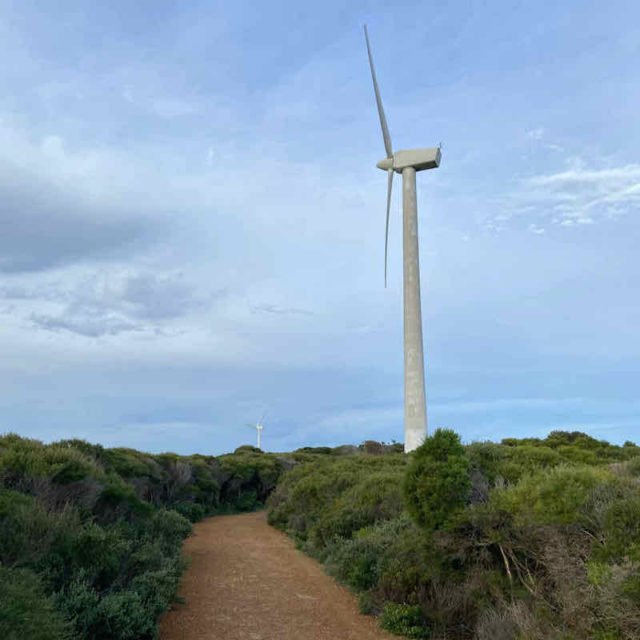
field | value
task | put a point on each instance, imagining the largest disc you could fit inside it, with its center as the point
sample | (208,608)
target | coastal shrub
(30,535)
(306,494)
(362,505)
(246,500)
(437,482)
(118,500)
(633,467)
(116,616)
(90,538)
(97,554)
(404,620)
(169,527)
(129,463)
(30,458)
(192,511)
(360,561)
(486,457)
(409,566)
(555,496)
(325,451)
(25,611)
(529,539)
(371,447)
(248,470)
(527,459)
(622,529)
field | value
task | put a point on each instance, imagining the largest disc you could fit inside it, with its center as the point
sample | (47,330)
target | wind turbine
(258,426)
(407,162)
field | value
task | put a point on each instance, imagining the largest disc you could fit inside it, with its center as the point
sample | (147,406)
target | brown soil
(248,582)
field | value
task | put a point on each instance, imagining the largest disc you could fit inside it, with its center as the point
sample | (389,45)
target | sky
(192,222)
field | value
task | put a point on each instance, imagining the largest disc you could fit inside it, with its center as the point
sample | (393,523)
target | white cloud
(576,196)
(584,196)
(535,134)
(106,302)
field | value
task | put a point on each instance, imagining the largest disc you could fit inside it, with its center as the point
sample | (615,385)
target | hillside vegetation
(90,537)
(527,539)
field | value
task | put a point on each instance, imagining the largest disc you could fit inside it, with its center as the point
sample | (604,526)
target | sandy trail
(248,582)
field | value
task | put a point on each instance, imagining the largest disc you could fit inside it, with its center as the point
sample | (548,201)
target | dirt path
(248,582)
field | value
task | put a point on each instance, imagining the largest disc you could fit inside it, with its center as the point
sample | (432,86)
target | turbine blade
(383,120)
(386,233)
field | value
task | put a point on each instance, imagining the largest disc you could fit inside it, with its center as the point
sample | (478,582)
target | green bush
(191,511)
(361,561)
(555,496)
(26,613)
(622,529)
(437,483)
(367,604)
(486,458)
(526,459)
(93,535)
(325,451)
(245,471)
(631,588)
(409,566)
(114,616)
(545,549)
(30,458)
(129,463)
(247,448)
(404,620)
(169,527)
(30,535)
(117,500)
(247,500)
(97,554)
(307,494)
(363,505)
(633,467)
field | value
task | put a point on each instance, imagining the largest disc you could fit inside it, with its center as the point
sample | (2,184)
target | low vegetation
(527,539)
(90,537)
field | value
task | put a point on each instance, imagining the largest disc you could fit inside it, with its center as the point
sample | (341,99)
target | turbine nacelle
(419,159)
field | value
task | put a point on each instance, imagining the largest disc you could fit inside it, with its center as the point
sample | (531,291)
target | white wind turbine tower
(258,427)
(407,163)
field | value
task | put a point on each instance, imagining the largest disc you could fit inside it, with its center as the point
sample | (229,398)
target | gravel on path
(248,582)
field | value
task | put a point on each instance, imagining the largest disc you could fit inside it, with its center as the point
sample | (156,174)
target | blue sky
(192,223)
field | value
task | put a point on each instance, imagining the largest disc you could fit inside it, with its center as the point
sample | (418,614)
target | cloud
(575,196)
(107,303)
(89,326)
(584,196)
(42,228)
(163,106)
(535,134)
(152,297)
(280,311)
(53,209)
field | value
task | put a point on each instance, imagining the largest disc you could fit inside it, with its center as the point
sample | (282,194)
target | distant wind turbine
(258,426)
(407,163)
